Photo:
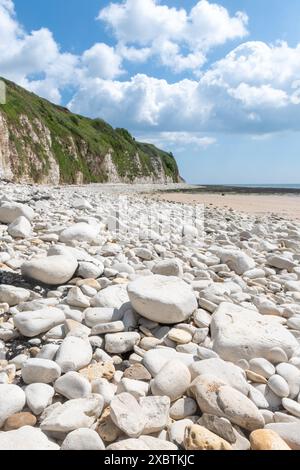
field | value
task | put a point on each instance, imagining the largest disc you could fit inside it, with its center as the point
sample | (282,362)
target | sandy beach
(285,205)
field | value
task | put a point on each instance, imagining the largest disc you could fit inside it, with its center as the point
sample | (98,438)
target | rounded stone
(262,367)
(266,439)
(31,324)
(20,228)
(291,406)
(183,408)
(19,420)
(73,385)
(74,354)
(163,299)
(83,439)
(12,295)
(26,438)
(291,374)
(79,232)
(73,414)
(38,397)
(199,438)
(127,414)
(10,211)
(279,386)
(173,380)
(51,270)
(12,400)
(40,371)
(239,409)
(119,343)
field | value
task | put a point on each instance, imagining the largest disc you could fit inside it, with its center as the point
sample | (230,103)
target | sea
(269,186)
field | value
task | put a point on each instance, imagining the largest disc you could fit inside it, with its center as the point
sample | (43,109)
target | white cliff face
(46,144)
(5,169)
(31,147)
(109,169)
(40,140)
(40,135)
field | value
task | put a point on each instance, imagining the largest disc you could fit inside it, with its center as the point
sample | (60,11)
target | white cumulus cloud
(175,140)
(102,60)
(254,89)
(168,31)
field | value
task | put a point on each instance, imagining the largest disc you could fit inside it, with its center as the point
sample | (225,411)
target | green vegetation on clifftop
(78,144)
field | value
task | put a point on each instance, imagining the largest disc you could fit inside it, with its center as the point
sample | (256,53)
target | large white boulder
(34,323)
(10,211)
(163,299)
(80,232)
(238,333)
(52,270)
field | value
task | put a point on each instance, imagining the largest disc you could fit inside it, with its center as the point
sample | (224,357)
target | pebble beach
(133,319)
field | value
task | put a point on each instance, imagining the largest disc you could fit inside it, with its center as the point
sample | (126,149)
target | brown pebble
(34,351)
(199,438)
(137,372)
(106,428)
(19,420)
(105,370)
(267,439)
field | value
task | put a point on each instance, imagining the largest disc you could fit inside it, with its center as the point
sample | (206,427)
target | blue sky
(215,82)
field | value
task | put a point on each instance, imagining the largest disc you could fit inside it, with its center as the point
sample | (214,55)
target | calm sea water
(275,186)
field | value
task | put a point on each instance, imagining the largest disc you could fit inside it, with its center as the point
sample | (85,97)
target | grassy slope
(96,135)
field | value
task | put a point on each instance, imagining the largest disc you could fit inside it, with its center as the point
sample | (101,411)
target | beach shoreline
(283,205)
(260,201)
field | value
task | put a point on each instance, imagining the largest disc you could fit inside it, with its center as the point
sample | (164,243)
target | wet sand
(284,205)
